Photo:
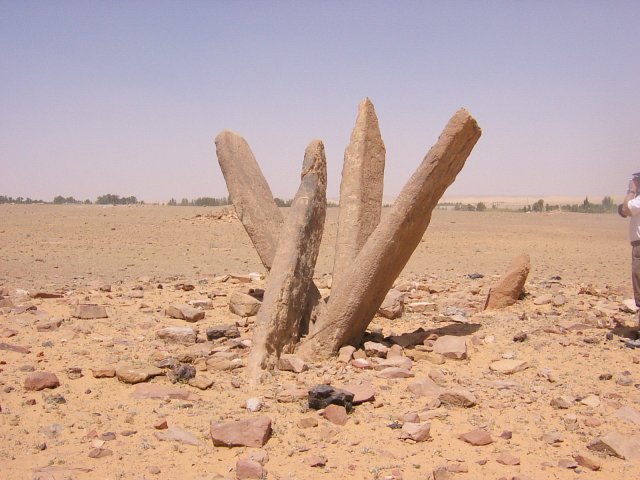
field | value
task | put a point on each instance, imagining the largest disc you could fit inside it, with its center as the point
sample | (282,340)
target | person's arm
(632,192)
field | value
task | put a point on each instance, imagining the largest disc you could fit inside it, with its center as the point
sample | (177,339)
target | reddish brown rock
(251,432)
(362,392)
(393,305)
(510,287)
(418,432)
(7,332)
(154,390)
(506,458)
(177,434)
(49,325)
(137,373)
(587,462)
(41,380)
(618,445)
(247,469)
(476,438)
(100,453)
(292,363)
(47,295)
(336,414)
(14,348)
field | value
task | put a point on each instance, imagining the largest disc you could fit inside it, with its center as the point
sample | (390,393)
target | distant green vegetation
(5,199)
(200,202)
(605,206)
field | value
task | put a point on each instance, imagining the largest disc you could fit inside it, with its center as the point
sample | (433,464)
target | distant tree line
(200,202)
(6,199)
(607,205)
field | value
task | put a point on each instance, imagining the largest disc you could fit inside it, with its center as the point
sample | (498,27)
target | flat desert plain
(548,385)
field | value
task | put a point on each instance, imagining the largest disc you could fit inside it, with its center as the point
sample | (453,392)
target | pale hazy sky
(126,97)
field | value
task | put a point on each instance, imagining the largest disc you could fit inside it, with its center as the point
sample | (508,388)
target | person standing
(631,208)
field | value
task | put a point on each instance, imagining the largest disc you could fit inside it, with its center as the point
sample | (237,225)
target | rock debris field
(125,332)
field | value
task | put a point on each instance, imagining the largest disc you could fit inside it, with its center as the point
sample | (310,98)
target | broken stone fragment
(451,346)
(41,380)
(154,391)
(89,311)
(362,392)
(510,287)
(508,366)
(418,432)
(292,363)
(185,312)
(321,396)
(244,305)
(251,432)
(375,349)
(393,305)
(336,414)
(247,469)
(476,438)
(103,372)
(135,374)
(458,398)
(222,331)
(181,335)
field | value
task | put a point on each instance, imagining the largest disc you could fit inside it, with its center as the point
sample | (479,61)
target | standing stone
(508,290)
(393,305)
(250,194)
(361,290)
(360,189)
(285,298)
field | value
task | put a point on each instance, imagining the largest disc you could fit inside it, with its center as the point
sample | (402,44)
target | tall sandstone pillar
(279,319)
(361,290)
(360,190)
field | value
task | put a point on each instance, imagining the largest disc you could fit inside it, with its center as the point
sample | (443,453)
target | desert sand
(575,382)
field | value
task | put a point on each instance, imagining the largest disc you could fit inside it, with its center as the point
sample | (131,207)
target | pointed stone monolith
(355,300)
(285,298)
(250,194)
(360,189)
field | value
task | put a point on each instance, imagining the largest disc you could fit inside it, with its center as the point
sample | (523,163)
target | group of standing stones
(370,254)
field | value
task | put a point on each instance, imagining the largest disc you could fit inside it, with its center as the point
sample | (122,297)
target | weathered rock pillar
(278,323)
(363,287)
(250,194)
(360,189)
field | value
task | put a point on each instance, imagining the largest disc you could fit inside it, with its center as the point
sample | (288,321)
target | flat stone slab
(181,335)
(477,438)
(509,366)
(362,392)
(177,434)
(628,414)
(618,445)
(451,346)
(251,432)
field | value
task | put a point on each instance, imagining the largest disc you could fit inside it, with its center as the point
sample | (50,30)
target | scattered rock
(587,462)
(40,380)
(247,469)
(458,398)
(244,305)
(628,414)
(451,346)
(476,438)
(393,305)
(154,390)
(181,335)
(321,396)
(100,453)
(508,366)
(336,414)
(253,404)
(362,392)
(182,373)
(177,434)
(222,331)
(252,432)
(618,445)
(89,311)
(395,372)
(292,363)
(103,372)
(562,402)
(506,458)
(509,289)
(418,432)
(136,374)
(185,312)
(375,349)
(345,354)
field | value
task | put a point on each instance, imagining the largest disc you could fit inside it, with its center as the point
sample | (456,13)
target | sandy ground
(75,250)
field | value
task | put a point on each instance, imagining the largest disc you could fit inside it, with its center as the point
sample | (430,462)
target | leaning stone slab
(360,189)
(177,434)
(360,292)
(508,290)
(252,432)
(250,194)
(89,311)
(243,304)
(285,298)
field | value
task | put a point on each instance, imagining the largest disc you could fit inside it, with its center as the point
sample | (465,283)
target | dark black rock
(321,396)
(222,331)
(474,276)
(520,337)
(168,363)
